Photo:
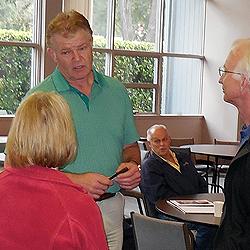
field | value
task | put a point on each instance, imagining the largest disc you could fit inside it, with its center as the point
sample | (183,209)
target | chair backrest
(151,233)
(225,160)
(143,143)
(216,141)
(184,151)
(176,142)
(144,148)
(140,198)
(144,154)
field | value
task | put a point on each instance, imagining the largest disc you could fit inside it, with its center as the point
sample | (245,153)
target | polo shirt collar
(61,84)
(98,78)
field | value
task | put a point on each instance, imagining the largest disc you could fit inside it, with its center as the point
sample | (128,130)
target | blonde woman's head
(42,133)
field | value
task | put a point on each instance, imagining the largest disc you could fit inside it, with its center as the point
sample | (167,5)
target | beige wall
(227,20)
(5,122)
(178,126)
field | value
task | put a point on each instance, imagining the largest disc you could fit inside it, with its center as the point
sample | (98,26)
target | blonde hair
(42,133)
(66,23)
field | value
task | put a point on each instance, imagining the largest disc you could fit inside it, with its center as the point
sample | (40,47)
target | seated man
(166,174)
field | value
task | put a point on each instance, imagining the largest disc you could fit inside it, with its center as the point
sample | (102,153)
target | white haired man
(167,173)
(234,230)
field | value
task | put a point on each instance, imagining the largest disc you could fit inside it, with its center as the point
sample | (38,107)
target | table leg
(215,186)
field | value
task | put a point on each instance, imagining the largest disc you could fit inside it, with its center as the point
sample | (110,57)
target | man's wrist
(135,162)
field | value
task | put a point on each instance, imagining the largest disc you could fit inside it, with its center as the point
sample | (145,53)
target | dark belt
(105,196)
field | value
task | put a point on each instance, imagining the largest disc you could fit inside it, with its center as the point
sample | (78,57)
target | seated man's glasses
(223,71)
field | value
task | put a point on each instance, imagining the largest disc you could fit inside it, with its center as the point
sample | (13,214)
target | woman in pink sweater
(40,208)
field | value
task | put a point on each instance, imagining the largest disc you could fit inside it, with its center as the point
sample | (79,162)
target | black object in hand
(119,172)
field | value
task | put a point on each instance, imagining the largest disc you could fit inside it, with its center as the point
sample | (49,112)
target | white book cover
(193,206)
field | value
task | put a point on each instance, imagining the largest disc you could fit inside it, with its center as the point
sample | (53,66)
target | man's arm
(131,160)
(131,153)
(95,184)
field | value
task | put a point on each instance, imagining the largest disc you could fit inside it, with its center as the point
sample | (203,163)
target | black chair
(128,236)
(139,197)
(223,163)
(203,166)
(215,188)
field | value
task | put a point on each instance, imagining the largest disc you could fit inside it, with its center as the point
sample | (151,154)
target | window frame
(111,53)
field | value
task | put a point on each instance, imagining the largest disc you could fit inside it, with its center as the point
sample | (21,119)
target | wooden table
(171,211)
(3,141)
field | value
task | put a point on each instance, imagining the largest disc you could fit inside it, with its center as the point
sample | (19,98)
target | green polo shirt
(103,121)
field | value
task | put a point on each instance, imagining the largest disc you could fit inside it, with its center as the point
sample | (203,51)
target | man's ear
(52,54)
(245,82)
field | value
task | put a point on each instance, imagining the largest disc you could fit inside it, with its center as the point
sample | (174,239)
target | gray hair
(242,47)
(152,129)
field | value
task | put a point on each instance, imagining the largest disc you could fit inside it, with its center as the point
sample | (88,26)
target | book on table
(193,206)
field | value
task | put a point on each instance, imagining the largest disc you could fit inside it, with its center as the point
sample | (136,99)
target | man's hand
(95,184)
(131,178)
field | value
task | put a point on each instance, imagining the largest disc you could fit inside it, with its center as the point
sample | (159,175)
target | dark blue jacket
(234,231)
(161,181)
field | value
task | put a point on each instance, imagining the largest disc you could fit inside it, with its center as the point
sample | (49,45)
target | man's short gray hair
(242,47)
(152,129)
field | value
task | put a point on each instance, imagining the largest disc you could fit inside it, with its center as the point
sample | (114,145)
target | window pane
(135,23)
(16,16)
(183,30)
(15,76)
(134,69)
(181,86)
(99,61)
(99,23)
(142,100)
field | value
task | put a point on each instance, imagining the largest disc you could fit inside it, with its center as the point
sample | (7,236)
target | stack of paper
(193,206)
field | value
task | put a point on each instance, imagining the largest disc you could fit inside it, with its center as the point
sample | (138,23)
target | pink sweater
(40,208)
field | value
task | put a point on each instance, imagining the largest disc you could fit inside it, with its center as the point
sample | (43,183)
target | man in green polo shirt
(103,120)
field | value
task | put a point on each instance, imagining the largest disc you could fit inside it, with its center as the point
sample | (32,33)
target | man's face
(160,142)
(73,54)
(231,82)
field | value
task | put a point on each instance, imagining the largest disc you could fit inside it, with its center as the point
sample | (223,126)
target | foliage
(134,19)
(131,70)
(142,100)
(16,14)
(15,70)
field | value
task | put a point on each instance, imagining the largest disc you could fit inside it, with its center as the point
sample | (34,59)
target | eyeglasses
(223,71)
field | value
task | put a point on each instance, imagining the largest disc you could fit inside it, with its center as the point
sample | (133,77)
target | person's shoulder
(182,152)
(108,81)
(149,161)
(45,86)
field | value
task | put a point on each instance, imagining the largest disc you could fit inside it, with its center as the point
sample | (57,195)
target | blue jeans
(204,233)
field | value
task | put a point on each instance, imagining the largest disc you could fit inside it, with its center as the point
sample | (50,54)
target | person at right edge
(234,230)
